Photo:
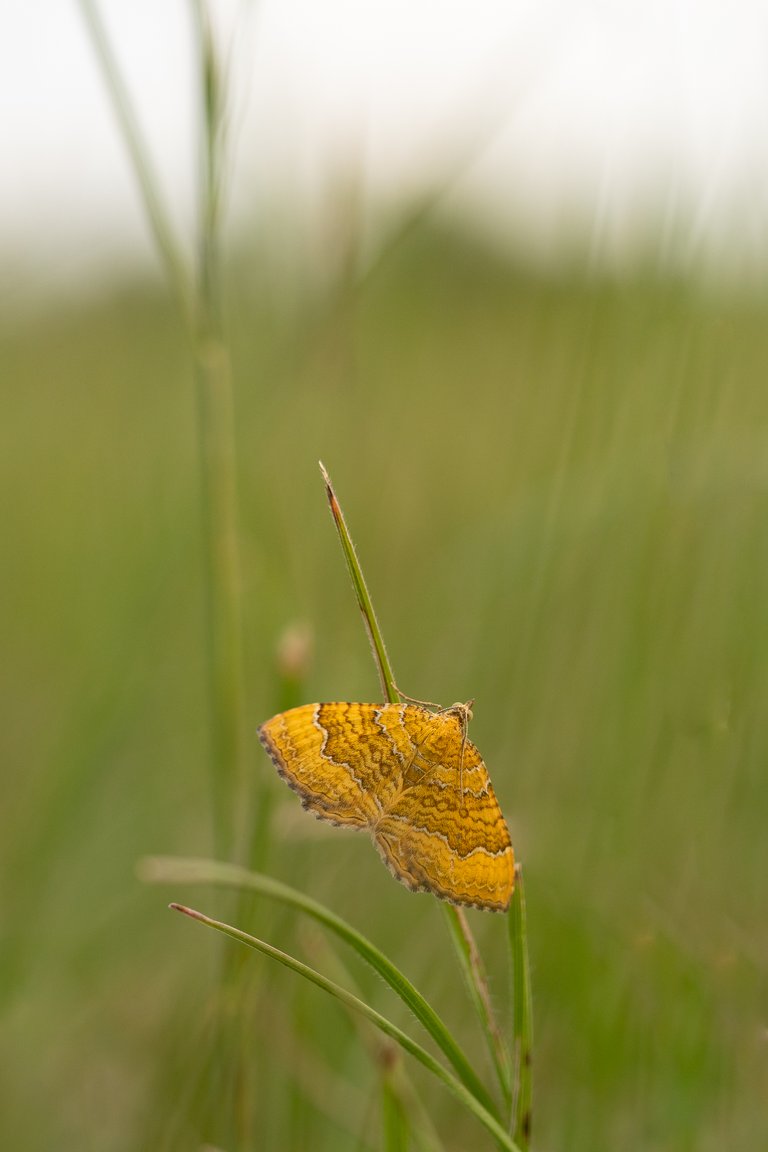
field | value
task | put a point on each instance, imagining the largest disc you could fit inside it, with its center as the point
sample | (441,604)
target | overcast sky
(529,115)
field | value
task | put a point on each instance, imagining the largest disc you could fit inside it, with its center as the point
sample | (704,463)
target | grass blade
(363,597)
(200,303)
(170,869)
(406,1042)
(522,1024)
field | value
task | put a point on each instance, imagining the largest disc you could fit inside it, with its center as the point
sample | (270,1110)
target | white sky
(530,115)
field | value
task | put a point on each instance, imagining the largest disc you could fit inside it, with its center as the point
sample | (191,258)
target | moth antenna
(423,703)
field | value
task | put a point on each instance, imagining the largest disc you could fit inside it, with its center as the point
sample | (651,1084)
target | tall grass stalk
(213,377)
(517,1096)
(522,1021)
(198,294)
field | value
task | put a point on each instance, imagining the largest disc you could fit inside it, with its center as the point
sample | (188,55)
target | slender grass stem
(364,601)
(217,465)
(476,980)
(198,294)
(522,1025)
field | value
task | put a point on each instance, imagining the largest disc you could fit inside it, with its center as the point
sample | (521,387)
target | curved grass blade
(185,870)
(467,1098)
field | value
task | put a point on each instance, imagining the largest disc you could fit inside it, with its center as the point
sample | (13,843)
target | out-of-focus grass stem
(217,459)
(176,267)
(198,294)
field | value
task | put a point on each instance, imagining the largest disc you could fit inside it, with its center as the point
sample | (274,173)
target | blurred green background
(558,488)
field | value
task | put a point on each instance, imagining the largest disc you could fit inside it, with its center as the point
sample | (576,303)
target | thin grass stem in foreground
(522,1025)
(364,601)
(165,870)
(470,1102)
(198,295)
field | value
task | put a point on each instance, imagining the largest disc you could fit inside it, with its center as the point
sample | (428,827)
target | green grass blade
(230,779)
(197,871)
(476,981)
(199,297)
(363,597)
(522,1024)
(406,1042)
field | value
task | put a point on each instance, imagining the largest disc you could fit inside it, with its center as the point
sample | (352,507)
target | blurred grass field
(559,493)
